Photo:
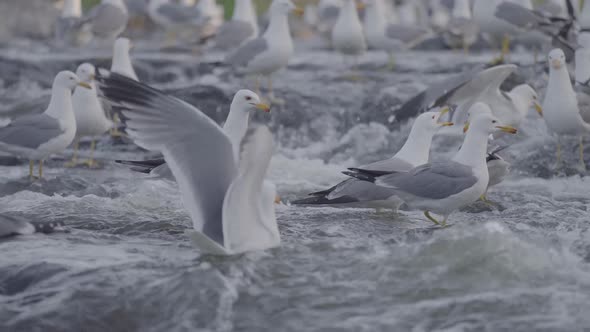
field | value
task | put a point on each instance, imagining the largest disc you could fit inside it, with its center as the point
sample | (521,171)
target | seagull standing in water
(36,137)
(229,201)
(90,116)
(561,107)
(347,34)
(444,187)
(265,55)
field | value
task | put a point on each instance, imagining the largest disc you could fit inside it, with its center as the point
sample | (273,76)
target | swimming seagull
(38,136)
(242,27)
(347,34)
(270,52)
(562,111)
(235,128)
(390,37)
(107,20)
(484,86)
(415,152)
(462,31)
(90,116)
(230,204)
(444,187)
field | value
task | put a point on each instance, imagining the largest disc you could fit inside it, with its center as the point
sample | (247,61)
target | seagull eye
(433,117)
(248,98)
(494,121)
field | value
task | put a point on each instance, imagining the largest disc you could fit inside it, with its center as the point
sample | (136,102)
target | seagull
(390,37)
(415,152)
(38,136)
(462,31)
(440,18)
(89,113)
(498,169)
(270,52)
(107,20)
(71,15)
(328,12)
(230,203)
(444,187)
(497,31)
(235,128)
(242,27)
(175,17)
(562,111)
(347,33)
(484,86)
(121,64)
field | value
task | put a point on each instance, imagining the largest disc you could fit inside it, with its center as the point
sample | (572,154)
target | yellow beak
(298,11)
(556,64)
(360,5)
(442,113)
(446,124)
(92,77)
(466,127)
(263,107)
(507,129)
(85,85)
(539,109)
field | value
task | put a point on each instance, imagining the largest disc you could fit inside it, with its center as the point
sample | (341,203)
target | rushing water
(126,264)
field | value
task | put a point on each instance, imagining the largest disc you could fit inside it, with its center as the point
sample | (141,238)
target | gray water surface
(126,264)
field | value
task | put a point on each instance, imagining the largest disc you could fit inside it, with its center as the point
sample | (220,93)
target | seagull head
(431,121)
(284,7)
(556,59)
(482,120)
(86,72)
(248,101)
(529,94)
(68,80)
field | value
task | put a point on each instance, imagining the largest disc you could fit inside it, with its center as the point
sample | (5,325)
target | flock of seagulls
(221,170)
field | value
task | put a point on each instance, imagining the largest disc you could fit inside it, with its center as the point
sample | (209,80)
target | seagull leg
(271,94)
(431,218)
(74,161)
(91,162)
(115,132)
(503,52)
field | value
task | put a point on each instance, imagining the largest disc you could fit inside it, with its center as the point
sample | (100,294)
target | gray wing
(389,165)
(407,34)
(232,34)
(106,19)
(519,16)
(247,52)
(30,131)
(178,13)
(431,181)
(17,108)
(195,148)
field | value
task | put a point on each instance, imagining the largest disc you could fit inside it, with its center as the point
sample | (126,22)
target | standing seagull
(390,37)
(71,15)
(462,31)
(89,113)
(242,27)
(562,112)
(497,31)
(38,136)
(415,152)
(444,187)
(230,203)
(121,64)
(270,52)
(107,20)
(347,35)
(235,128)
